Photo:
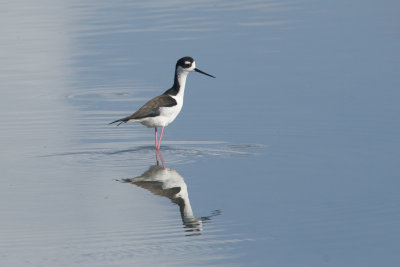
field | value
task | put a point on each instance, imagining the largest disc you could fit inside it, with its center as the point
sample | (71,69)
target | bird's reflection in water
(169,183)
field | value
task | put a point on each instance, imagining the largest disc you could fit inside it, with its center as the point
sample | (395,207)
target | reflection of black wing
(156,188)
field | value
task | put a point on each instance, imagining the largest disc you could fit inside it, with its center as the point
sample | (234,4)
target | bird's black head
(185,62)
(188,64)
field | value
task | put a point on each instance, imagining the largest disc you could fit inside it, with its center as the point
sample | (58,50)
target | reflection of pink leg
(158,153)
(159,140)
(155,137)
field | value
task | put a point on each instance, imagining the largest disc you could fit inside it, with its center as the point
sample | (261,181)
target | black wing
(150,109)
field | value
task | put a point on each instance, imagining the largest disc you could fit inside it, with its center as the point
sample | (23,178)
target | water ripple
(91,246)
(174,151)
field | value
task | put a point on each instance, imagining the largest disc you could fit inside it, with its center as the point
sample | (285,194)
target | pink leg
(159,140)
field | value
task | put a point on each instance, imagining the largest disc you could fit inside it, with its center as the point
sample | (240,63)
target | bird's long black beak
(202,72)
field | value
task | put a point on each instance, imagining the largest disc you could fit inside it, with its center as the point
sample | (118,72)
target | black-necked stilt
(162,110)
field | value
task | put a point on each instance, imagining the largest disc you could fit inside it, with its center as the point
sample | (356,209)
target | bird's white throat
(181,75)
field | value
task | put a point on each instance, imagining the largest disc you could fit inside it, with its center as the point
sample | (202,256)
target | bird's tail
(125,120)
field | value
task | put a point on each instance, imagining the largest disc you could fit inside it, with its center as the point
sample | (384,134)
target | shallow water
(288,158)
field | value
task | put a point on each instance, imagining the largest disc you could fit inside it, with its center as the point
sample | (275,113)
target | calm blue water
(288,158)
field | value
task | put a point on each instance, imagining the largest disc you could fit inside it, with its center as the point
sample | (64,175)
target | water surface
(288,158)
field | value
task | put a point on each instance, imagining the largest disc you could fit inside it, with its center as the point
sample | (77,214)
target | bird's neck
(186,209)
(178,89)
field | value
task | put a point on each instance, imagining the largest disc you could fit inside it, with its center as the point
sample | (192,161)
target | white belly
(167,115)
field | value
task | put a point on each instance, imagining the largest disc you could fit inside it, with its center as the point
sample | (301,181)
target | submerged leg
(159,140)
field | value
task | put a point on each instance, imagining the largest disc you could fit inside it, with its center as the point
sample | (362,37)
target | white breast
(167,114)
